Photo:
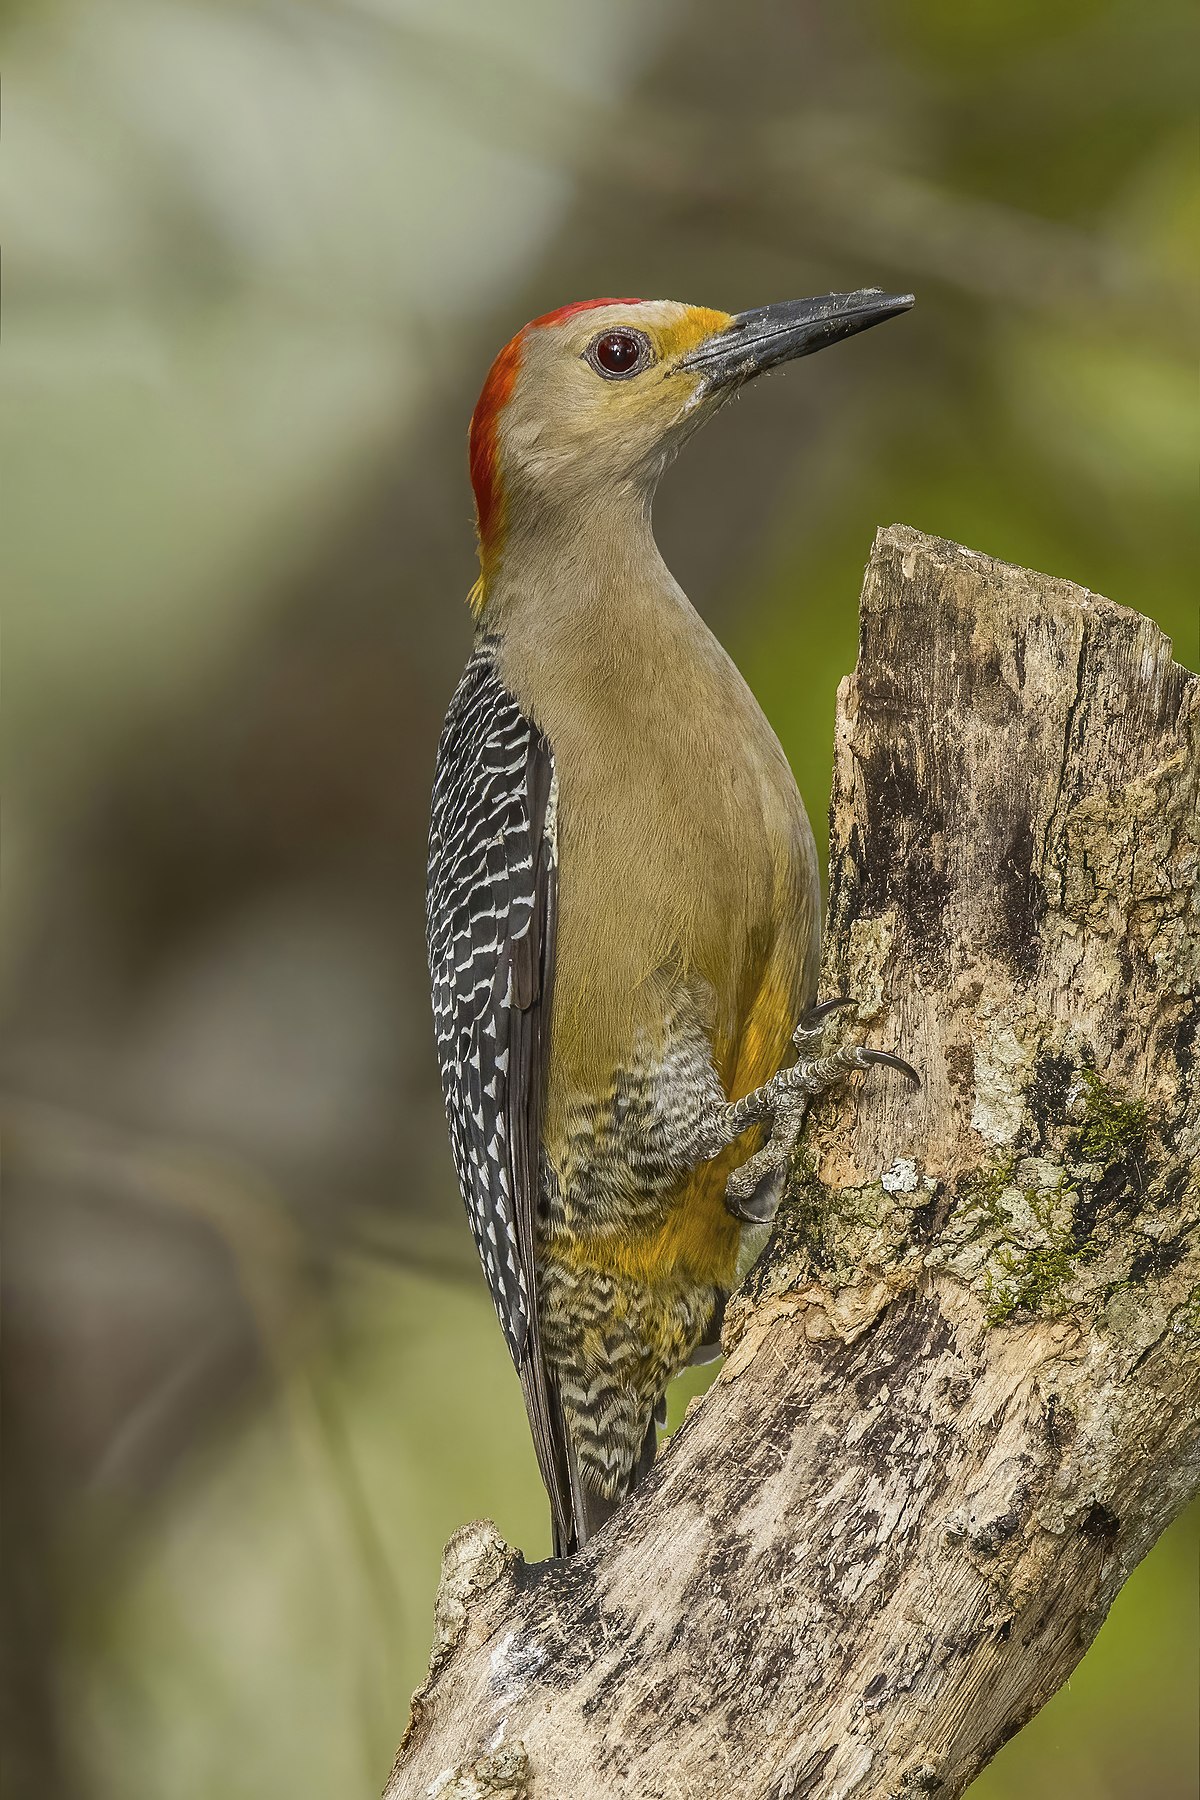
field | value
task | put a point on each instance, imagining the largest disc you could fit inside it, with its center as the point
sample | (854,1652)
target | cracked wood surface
(961,1394)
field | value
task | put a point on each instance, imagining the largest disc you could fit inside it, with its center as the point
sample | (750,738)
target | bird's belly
(635,1245)
(619,1147)
(622,1193)
(635,1251)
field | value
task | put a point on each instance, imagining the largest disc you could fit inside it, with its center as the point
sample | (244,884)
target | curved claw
(812,1022)
(816,1013)
(756,1202)
(889,1061)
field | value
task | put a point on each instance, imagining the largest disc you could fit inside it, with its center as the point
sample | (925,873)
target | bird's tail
(590,1509)
(577,1508)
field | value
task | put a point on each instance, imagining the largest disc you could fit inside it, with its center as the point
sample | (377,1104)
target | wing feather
(491,928)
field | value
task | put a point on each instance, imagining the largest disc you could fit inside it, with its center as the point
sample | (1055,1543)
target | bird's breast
(687,898)
(685,863)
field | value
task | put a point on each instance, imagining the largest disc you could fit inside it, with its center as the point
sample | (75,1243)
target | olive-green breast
(687,880)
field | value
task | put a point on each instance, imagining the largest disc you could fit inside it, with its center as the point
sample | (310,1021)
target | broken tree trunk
(961,1394)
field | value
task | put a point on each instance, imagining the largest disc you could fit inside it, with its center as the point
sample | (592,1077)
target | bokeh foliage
(258,259)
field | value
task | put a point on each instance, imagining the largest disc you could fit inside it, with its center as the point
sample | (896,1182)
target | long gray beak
(769,335)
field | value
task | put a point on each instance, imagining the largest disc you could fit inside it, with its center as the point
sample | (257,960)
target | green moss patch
(1113,1129)
(1105,1159)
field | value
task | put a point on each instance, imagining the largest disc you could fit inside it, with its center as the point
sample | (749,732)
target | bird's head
(592,400)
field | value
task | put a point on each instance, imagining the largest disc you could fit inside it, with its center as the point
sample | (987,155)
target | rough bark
(961,1395)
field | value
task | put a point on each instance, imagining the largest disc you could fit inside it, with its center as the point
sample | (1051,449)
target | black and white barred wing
(490,921)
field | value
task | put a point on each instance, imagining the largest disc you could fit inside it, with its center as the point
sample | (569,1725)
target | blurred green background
(259,255)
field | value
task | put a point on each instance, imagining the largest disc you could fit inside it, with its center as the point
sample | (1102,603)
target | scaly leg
(754,1190)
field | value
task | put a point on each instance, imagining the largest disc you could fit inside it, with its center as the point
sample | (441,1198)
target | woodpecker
(623,900)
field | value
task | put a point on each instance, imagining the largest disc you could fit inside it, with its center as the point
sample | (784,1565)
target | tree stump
(961,1394)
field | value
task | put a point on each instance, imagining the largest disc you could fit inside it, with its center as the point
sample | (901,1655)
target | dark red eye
(619,353)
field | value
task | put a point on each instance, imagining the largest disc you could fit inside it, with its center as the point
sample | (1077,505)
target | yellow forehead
(678,336)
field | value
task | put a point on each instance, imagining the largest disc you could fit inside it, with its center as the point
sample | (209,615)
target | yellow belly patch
(697,1243)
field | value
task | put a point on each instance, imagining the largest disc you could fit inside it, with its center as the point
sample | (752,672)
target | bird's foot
(754,1190)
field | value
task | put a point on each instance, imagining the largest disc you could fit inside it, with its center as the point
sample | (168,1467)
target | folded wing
(490,934)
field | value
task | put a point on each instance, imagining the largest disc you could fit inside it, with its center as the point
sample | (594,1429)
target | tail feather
(589,1509)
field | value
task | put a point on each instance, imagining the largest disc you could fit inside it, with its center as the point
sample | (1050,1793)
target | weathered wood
(961,1394)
